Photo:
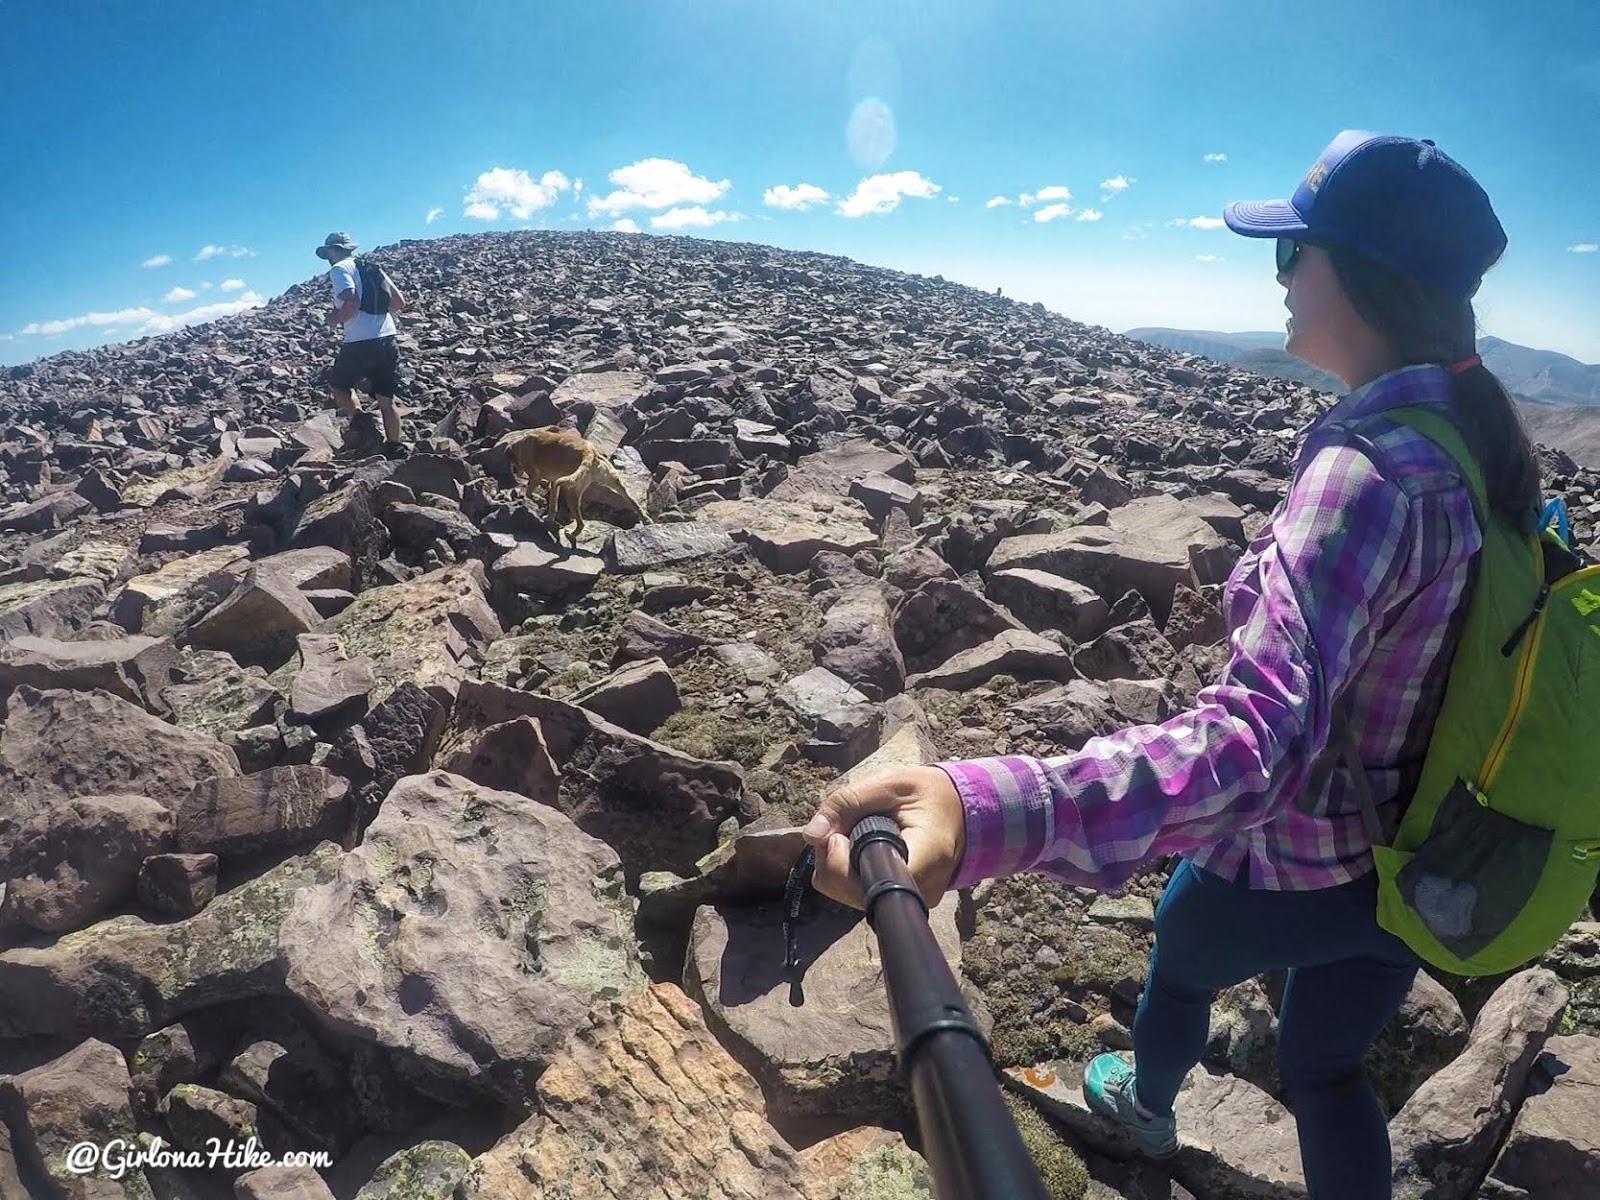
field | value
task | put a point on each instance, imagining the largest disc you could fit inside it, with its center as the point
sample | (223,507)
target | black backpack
(374,287)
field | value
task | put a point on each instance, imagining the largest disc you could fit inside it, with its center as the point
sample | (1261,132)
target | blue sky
(228,139)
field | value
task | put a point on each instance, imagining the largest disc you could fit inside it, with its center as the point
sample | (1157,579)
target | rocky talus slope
(344,807)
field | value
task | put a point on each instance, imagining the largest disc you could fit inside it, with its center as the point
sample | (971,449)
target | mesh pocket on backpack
(1474,873)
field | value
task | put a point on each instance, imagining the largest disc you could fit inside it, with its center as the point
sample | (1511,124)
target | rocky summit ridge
(344,807)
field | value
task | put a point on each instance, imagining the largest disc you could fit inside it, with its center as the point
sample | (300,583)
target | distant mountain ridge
(1538,376)
(1558,396)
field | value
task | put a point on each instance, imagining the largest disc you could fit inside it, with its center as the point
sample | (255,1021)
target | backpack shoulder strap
(1439,430)
(1442,432)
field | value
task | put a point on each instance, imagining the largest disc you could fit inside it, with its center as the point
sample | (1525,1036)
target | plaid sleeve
(1302,623)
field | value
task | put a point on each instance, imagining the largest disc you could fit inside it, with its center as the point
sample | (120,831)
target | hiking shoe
(1108,1090)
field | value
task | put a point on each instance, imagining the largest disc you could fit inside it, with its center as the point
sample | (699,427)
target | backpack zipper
(1534,624)
(1583,851)
(1519,695)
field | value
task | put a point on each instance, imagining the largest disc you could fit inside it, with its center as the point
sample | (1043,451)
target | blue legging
(1347,978)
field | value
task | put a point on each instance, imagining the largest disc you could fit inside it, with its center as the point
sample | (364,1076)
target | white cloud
(1089,214)
(205,286)
(1199,222)
(149,321)
(209,251)
(883,193)
(998,202)
(691,217)
(1216,158)
(232,285)
(1208,258)
(953,199)
(433,215)
(796,199)
(1585,248)
(178,294)
(166,322)
(157,260)
(1053,212)
(1055,192)
(656,183)
(577,186)
(515,191)
(1137,233)
(625,225)
(1111,188)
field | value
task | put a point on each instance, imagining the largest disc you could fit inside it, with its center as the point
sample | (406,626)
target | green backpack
(1499,848)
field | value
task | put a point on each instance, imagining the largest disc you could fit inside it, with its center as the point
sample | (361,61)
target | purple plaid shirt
(1346,594)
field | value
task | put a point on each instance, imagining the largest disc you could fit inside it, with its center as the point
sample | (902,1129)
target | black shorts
(375,362)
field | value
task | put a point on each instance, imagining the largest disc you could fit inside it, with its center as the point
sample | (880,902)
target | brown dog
(567,465)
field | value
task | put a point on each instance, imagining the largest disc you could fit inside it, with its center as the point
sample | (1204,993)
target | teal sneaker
(1108,1090)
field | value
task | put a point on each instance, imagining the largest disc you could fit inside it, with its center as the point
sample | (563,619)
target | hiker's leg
(1329,1017)
(342,376)
(1198,951)
(391,418)
(386,385)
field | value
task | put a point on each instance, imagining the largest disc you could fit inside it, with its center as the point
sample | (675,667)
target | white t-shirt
(364,326)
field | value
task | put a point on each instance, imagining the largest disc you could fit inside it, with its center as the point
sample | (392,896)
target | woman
(1344,603)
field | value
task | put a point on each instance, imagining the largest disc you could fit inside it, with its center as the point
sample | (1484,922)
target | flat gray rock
(650,547)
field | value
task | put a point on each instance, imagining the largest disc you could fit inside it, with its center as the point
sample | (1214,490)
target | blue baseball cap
(1400,202)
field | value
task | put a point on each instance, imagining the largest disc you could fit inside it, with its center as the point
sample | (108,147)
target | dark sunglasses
(1289,252)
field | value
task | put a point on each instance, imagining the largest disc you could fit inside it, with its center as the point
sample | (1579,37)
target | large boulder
(787,534)
(1019,653)
(259,622)
(1447,1134)
(942,617)
(325,681)
(48,607)
(236,816)
(166,600)
(345,521)
(125,977)
(206,691)
(1110,561)
(1044,601)
(468,934)
(54,511)
(650,547)
(420,630)
(1553,1151)
(834,471)
(427,1171)
(80,858)
(638,696)
(642,1102)
(81,1097)
(58,745)
(834,1055)
(657,807)
(857,643)
(104,664)
(1132,650)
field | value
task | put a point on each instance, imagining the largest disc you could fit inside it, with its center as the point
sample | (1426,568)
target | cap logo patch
(1315,176)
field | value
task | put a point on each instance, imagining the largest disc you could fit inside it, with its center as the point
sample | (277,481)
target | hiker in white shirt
(369,355)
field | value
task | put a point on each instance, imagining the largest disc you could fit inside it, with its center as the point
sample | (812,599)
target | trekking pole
(968,1137)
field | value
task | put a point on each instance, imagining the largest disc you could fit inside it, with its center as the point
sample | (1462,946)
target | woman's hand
(926,806)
